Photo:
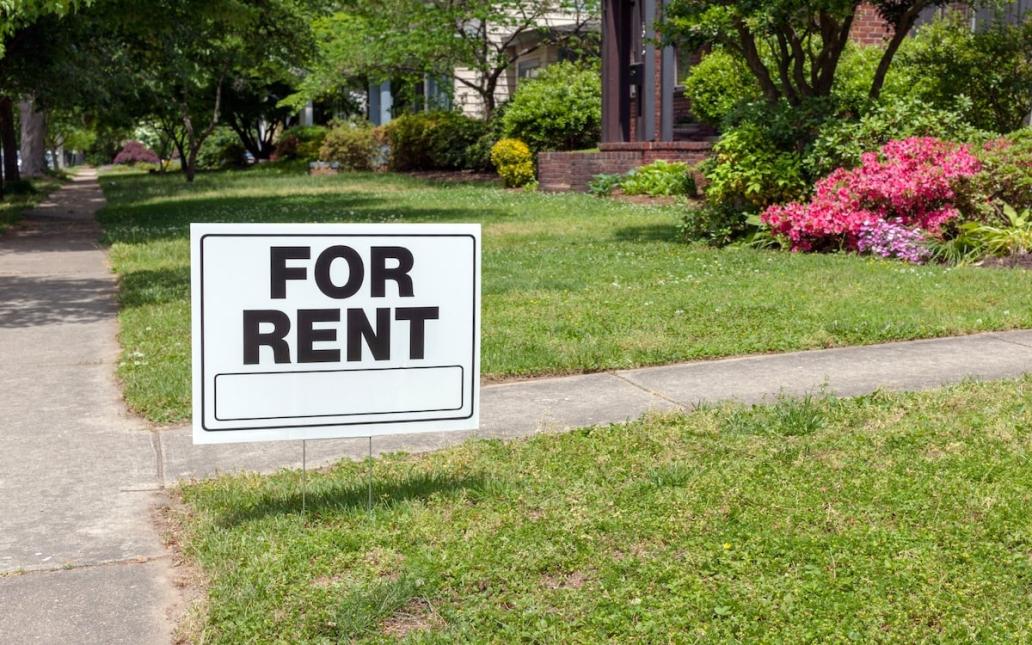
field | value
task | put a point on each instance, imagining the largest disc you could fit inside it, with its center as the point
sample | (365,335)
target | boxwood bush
(434,141)
(559,110)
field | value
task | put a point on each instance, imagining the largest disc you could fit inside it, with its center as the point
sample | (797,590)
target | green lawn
(14,205)
(571,283)
(886,518)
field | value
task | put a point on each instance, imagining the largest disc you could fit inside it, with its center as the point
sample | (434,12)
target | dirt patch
(1016,261)
(189,614)
(415,616)
(574,580)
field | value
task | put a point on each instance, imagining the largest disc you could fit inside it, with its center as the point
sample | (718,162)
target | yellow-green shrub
(514,161)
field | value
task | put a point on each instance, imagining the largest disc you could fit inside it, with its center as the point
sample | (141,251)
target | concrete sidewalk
(80,557)
(554,404)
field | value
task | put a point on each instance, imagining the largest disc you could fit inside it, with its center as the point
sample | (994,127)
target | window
(528,69)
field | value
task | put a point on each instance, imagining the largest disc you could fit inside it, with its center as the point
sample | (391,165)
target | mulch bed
(1016,261)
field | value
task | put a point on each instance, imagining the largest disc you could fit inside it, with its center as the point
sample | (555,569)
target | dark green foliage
(300,142)
(714,223)
(435,141)
(559,110)
(222,149)
(991,66)
(841,142)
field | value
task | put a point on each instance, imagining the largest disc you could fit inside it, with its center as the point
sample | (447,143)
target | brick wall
(868,27)
(564,171)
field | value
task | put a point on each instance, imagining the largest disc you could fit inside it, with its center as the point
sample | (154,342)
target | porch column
(616,37)
(667,80)
(648,85)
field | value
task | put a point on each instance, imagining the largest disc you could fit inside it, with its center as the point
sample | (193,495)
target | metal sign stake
(369,479)
(304,476)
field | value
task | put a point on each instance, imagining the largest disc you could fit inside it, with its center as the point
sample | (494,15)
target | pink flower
(909,182)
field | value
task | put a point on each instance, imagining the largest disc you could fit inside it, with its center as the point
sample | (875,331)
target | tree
(792,47)
(13,17)
(387,38)
(191,53)
(69,63)
(253,110)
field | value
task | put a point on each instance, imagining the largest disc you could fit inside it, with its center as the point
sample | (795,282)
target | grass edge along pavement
(888,517)
(16,204)
(572,283)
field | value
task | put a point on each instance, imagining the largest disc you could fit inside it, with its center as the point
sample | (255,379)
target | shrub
(353,146)
(514,161)
(855,72)
(1005,178)
(659,178)
(1011,235)
(717,84)
(910,183)
(434,141)
(715,224)
(603,185)
(559,110)
(991,66)
(748,172)
(300,142)
(222,150)
(841,143)
(134,152)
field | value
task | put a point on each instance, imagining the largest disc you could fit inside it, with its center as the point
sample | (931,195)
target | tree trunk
(9,139)
(57,153)
(902,28)
(190,164)
(33,137)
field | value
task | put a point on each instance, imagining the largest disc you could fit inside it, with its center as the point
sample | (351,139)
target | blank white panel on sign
(307,331)
(296,395)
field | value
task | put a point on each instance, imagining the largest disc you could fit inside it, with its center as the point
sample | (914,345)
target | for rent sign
(304,331)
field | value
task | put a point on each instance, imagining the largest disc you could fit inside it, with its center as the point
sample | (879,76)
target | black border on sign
(462,392)
(473,343)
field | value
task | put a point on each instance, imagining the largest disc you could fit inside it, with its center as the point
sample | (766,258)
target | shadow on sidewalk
(33,301)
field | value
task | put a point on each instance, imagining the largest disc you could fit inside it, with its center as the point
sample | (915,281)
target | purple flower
(890,239)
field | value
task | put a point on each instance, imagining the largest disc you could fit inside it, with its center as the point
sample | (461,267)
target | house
(530,45)
(641,103)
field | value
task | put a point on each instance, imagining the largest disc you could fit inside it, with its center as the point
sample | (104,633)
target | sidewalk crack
(159,458)
(24,571)
(1009,341)
(658,395)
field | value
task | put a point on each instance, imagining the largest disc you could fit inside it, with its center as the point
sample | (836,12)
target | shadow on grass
(154,287)
(166,220)
(349,496)
(649,233)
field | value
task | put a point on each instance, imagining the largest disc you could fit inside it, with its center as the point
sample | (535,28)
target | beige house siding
(470,102)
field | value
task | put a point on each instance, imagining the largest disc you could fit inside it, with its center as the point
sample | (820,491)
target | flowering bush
(514,161)
(910,183)
(134,152)
(893,240)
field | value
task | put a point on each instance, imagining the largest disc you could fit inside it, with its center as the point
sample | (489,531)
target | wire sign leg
(304,476)
(369,502)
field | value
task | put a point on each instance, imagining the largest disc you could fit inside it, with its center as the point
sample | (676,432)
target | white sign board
(312,331)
